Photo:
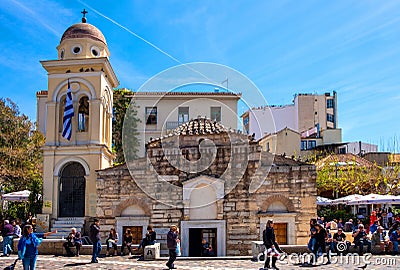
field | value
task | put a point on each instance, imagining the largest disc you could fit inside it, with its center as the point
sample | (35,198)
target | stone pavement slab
(126,262)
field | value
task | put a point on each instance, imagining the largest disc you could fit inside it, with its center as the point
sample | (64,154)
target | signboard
(42,223)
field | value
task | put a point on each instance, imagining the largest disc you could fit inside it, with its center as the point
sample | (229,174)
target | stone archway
(132,201)
(281,210)
(133,212)
(278,198)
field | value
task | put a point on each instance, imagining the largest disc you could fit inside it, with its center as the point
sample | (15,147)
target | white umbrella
(18,196)
(345,200)
(323,201)
(375,199)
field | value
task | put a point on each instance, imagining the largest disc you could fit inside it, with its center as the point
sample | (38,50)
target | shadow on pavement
(76,264)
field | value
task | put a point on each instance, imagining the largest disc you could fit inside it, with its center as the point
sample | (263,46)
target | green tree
(337,177)
(125,122)
(20,151)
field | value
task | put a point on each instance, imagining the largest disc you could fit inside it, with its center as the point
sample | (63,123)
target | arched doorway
(71,202)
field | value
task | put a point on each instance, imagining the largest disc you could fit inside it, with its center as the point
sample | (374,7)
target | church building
(211,181)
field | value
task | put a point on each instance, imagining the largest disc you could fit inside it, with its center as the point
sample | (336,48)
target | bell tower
(69,166)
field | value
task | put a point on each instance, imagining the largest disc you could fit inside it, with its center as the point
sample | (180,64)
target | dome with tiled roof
(83,30)
(200,126)
(82,40)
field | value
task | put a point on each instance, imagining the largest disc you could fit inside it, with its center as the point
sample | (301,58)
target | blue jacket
(28,246)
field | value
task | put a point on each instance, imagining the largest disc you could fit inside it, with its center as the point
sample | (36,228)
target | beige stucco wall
(332,136)
(91,77)
(285,142)
(167,110)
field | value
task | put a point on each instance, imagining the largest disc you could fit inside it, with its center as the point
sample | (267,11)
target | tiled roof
(83,30)
(198,126)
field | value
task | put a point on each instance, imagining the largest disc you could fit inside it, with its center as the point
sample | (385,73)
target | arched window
(83,114)
(61,113)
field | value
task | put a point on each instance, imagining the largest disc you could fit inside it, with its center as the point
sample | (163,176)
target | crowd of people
(28,240)
(382,230)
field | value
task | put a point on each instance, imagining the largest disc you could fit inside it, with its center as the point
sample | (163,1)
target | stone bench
(152,252)
(55,247)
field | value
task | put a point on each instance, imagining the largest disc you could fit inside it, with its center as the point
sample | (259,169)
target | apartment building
(313,116)
(161,112)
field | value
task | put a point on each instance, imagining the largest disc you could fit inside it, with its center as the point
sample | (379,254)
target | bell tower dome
(82,40)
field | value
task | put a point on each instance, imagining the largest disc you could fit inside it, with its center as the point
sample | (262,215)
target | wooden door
(137,233)
(281,233)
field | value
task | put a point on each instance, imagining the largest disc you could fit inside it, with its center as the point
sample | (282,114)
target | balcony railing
(173,124)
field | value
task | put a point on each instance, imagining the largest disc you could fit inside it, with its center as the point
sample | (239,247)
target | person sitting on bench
(73,239)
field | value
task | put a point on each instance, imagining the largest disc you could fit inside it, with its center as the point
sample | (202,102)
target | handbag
(178,249)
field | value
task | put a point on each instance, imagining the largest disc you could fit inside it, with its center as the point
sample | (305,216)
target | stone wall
(253,181)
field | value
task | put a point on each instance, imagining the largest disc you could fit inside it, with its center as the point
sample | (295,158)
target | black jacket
(94,233)
(269,237)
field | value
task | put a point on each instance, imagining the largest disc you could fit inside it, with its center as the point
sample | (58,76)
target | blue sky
(283,47)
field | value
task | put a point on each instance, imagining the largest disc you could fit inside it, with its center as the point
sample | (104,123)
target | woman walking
(272,248)
(28,246)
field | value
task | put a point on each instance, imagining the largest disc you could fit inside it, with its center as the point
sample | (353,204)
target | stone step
(70,221)
(68,230)
(70,218)
(65,225)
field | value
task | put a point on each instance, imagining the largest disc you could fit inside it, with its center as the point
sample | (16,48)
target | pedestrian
(361,240)
(95,237)
(206,249)
(378,238)
(320,244)
(390,217)
(272,248)
(348,226)
(17,228)
(313,231)
(150,238)
(127,240)
(8,234)
(28,246)
(395,238)
(73,239)
(172,240)
(340,237)
(112,241)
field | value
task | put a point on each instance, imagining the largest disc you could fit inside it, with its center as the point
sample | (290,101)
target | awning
(345,200)
(18,196)
(323,201)
(375,199)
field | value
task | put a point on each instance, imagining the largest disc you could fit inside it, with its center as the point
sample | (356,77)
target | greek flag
(68,114)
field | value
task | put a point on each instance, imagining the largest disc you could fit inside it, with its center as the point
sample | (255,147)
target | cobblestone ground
(118,262)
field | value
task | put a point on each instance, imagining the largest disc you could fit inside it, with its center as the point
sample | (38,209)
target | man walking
(7,232)
(95,237)
(172,240)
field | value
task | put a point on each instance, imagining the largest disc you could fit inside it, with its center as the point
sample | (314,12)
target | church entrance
(196,235)
(71,201)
